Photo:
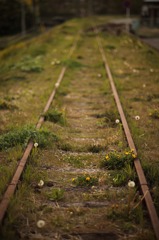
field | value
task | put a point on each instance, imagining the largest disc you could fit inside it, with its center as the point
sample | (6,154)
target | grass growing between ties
(22,135)
(55,194)
(85,181)
(115,160)
(56,116)
(72,64)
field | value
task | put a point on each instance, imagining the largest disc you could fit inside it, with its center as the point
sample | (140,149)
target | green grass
(85,180)
(29,64)
(4,105)
(73,64)
(117,160)
(75,161)
(55,194)
(121,178)
(154,114)
(20,136)
(56,116)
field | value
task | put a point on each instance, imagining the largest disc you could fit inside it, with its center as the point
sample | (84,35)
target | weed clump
(73,64)
(55,116)
(115,160)
(154,114)
(6,106)
(96,148)
(55,194)
(22,135)
(83,181)
(29,64)
(123,176)
(108,118)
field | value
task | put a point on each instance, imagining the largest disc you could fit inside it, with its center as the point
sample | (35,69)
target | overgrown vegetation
(55,194)
(115,160)
(85,180)
(21,136)
(4,105)
(56,116)
(29,64)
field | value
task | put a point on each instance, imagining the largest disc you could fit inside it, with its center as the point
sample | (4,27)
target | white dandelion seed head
(117,121)
(56,85)
(36,144)
(41,183)
(135,71)
(131,184)
(40,223)
(99,75)
(137,118)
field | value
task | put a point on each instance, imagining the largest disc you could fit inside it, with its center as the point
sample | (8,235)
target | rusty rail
(142,179)
(22,163)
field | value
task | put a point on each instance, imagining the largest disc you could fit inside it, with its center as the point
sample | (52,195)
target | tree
(36,10)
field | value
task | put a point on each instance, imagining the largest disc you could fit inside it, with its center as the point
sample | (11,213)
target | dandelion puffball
(131,184)
(57,85)
(40,223)
(41,183)
(117,121)
(36,145)
(137,118)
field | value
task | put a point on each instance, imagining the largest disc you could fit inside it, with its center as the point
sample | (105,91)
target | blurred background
(20,16)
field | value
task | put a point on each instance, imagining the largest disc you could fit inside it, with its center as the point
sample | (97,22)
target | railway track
(82,140)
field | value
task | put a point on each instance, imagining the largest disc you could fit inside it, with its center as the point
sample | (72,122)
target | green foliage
(6,106)
(85,181)
(33,176)
(151,173)
(73,64)
(155,193)
(110,47)
(115,160)
(155,114)
(5,174)
(65,146)
(130,211)
(15,137)
(29,64)
(122,177)
(96,148)
(22,135)
(76,161)
(55,116)
(56,194)
(44,138)
(108,118)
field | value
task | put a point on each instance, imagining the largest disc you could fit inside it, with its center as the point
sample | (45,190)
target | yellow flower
(87,178)
(73,179)
(133,155)
(126,153)
(107,157)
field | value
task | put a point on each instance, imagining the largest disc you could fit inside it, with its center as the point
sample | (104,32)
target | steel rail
(22,163)
(142,179)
